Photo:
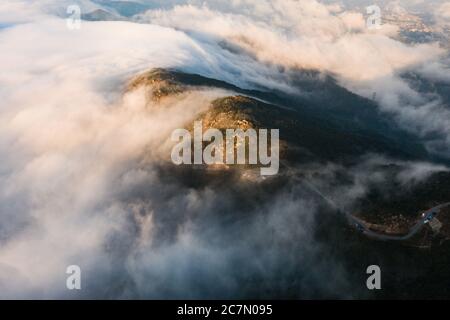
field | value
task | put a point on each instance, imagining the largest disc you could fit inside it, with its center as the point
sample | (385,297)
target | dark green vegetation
(322,125)
(407,200)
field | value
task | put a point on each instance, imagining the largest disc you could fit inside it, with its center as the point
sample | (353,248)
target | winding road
(360,225)
(426,217)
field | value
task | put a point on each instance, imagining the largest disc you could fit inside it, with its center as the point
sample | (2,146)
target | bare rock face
(160,83)
(304,138)
(231,112)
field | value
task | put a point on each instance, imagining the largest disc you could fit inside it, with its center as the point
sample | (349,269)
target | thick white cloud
(443,12)
(310,35)
(69,141)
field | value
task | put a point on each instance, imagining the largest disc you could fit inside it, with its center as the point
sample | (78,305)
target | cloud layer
(80,176)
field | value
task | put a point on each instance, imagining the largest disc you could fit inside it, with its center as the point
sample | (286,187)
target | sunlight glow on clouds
(72,146)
